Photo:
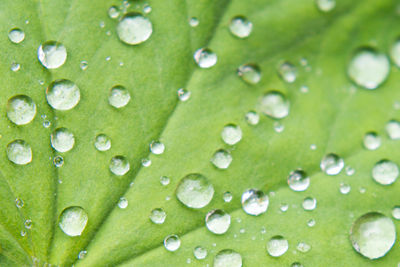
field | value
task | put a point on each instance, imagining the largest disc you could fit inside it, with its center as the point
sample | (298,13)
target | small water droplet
(227,197)
(16,35)
(218,221)
(73,220)
(275,105)
(21,109)
(277,246)
(82,254)
(240,27)
(158,216)
(146,9)
(62,140)
(102,24)
(28,224)
(296,264)
(221,159)
(19,203)
(385,172)
(393,129)
(164,180)
(15,66)
(52,54)
(309,203)
(58,161)
(231,134)
(311,223)
(313,147)
(344,188)
(194,22)
(252,118)
(288,72)
(102,142)
(146,162)
(119,96)
(46,124)
(113,12)
(156,147)
(396,212)
(63,94)
(205,58)
(395,51)
(84,65)
(332,164)
(254,202)
(19,152)
(134,29)
(304,89)
(298,180)
(303,247)
(23,233)
(195,191)
(349,170)
(250,73)
(228,258)
(183,95)
(372,141)
(119,165)
(284,207)
(108,58)
(172,242)
(200,252)
(123,203)
(326,5)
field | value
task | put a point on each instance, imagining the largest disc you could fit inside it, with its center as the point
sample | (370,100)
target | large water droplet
(275,105)
(119,96)
(250,73)
(326,5)
(288,72)
(62,140)
(73,221)
(393,129)
(373,235)
(102,142)
(231,134)
(298,180)
(19,152)
(221,159)
(158,216)
(277,246)
(332,164)
(63,94)
(372,141)
(119,165)
(134,29)
(200,252)
(52,54)
(156,147)
(205,58)
(195,191)
(218,221)
(21,109)
(16,35)
(240,27)
(254,202)
(228,258)
(385,172)
(309,203)
(369,68)
(172,242)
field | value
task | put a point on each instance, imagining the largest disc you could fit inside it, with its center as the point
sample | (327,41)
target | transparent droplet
(19,152)
(304,89)
(200,252)
(288,72)
(349,170)
(172,242)
(395,52)
(240,27)
(73,221)
(123,203)
(84,65)
(393,129)
(46,124)
(52,54)
(158,216)
(228,258)
(146,162)
(119,165)
(344,188)
(23,233)
(227,197)
(16,35)
(134,29)
(372,141)
(252,118)
(21,109)
(62,140)
(205,58)
(119,96)
(275,105)
(218,221)
(277,246)
(183,94)
(221,159)
(303,247)
(58,161)
(309,203)
(373,235)
(147,9)
(396,212)
(284,207)
(102,142)
(311,223)
(15,66)
(195,191)
(278,127)
(82,254)
(254,202)
(156,147)
(231,134)
(326,5)
(113,12)
(250,73)
(164,180)
(298,180)
(194,22)
(385,172)
(368,68)
(332,164)
(296,264)
(19,203)
(63,94)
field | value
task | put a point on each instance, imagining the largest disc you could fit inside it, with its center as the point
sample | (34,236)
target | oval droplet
(395,52)
(344,188)
(326,5)
(63,94)
(277,246)
(254,202)
(240,27)
(200,252)
(183,94)
(309,203)
(73,221)
(252,118)
(250,73)
(385,172)
(298,180)
(288,72)
(19,152)
(195,191)
(221,159)
(134,29)
(119,165)
(396,212)
(372,141)
(228,258)
(21,109)
(218,221)
(123,203)
(16,35)
(332,164)
(157,148)
(393,129)
(158,216)
(62,140)
(102,142)
(227,197)
(58,161)
(119,96)
(172,243)
(52,54)
(113,12)
(205,58)
(231,134)
(275,105)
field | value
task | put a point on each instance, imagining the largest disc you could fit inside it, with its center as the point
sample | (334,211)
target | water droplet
(119,165)
(275,105)
(158,216)
(113,12)
(393,129)
(16,35)
(172,242)
(82,254)
(240,27)
(278,127)
(123,203)
(284,207)
(221,159)
(373,235)
(156,147)
(200,252)
(304,89)
(218,221)
(63,94)
(205,58)
(183,94)
(84,65)
(298,180)
(146,162)
(194,22)
(396,212)
(344,188)
(19,152)
(296,264)
(311,223)
(58,161)
(277,246)
(254,202)
(250,73)
(349,171)
(228,258)
(385,172)
(62,140)
(309,203)
(227,197)
(19,203)
(288,72)
(119,96)
(73,221)
(28,224)
(303,247)
(23,233)
(102,24)
(195,191)
(147,9)
(134,29)
(231,134)
(332,164)
(46,124)
(21,109)
(369,68)
(108,58)
(252,118)
(52,54)
(164,180)
(372,141)
(102,142)
(15,67)
(326,5)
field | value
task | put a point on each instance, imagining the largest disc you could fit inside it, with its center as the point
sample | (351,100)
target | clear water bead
(240,27)
(385,172)
(19,152)
(73,221)
(344,189)
(123,203)
(227,197)
(172,243)
(205,58)
(228,258)
(194,22)
(298,180)
(16,35)
(164,180)
(309,203)
(254,202)
(250,73)
(21,109)
(303,247)
(395,52)
(62,140)
(277,246)
(119,96)
(288,72)
(102,142)
(19,203)
(63,94)
(221,159)
(200,252)
(82,254)
(231,134)
(83,65)
(326,5)
(275,105)
(156,147)
(183,94)
(195,191)
(372,141)
(396,212)
(252,118)
(119,165)
(393,129)
(218,221)
(58,161)
(113,12)
(52,54)
(158,216)
(134,29)
(332,164)
(15,66)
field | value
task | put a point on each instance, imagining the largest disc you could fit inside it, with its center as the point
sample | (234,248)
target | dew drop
(195,191)
(326,5)
(303,247)
(19,203)
(19,152)
(205,58)
(254,202)
(84,65)
(16,35)
(172,242)
(15,67)
(21,109)
(147,9)
(311,223)
(396,212)
(158,216)
(278,127)
(385,172)
(63,94)
(28,224)
(134,29)
(332,164)
(296,264)
(221,159)
(395,52)
(250,73)
(52,54)
(73,221)
(288,72)
(277,246)
(298,180)
(119,165)
(228,258)
(146,162)
(275,105)
(183,94)
(349,171)
(240,27)
(218,221)
(227,197)
(102,142)
(284,207)
(58,161)
(200,252)
(194,22)
(344,188)
(309,203)
(231,134)
(252,118)
(82,254)
(164,180)
(372,141)
(62,140)
(119,96)
(113,12)
(123,203)
(156,147)
(393,129)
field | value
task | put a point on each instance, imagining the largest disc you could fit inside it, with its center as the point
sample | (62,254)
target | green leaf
(334,115)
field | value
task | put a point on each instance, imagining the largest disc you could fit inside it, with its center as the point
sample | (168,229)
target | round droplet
(228,258)
(369,68)
(396,212)
(52,54)
(385,172)
(84,65)
(254,202)
(395,52)
(373,235)
(172,242)
(82,254)
(252,118)
(195,191)
(372,141)
(134,29)
(147,9)
(275,105)
(205,58)
(119,96)
(227,197)
(284,207)
(164,180)
(16,35)
(303,247)
(250,73)
(73,221)
(102,142)
(183,94)
(311,223)
(296,264)
(288,72)
(200,252)
(349,170)
(309,203)
(194,22)
(277,246)
(62,140)
(15,66)
(146,162)
(156,147)
(231,134)
(326,5)
(332,164)
(240,27)
(113,12)
(123,203)
(393,129)
(19,152)
(221,159)
(21,109)
(298,180)
(63,94)
(344,188)
(158,216)
(218,221)
(19,203)
(119,165)
(58,161)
